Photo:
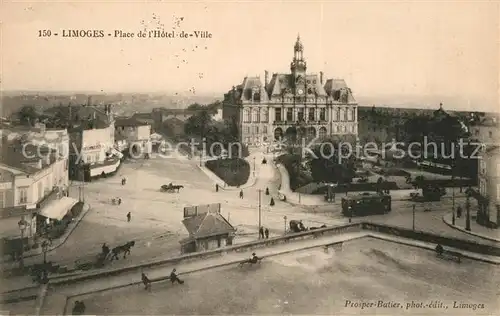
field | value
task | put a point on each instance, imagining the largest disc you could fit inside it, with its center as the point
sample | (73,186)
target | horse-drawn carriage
(106,255)
(171,188)
(297,226)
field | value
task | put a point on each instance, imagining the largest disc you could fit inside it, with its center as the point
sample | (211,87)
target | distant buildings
(489,187)
(292,104)
(136,133)
(92,139)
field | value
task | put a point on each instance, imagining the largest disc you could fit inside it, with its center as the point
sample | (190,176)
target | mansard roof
(248,87)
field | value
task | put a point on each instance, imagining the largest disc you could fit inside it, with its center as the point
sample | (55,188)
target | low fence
(328,231)
(493,250)
(471,246)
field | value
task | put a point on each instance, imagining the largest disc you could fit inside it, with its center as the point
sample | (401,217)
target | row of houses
(79,142)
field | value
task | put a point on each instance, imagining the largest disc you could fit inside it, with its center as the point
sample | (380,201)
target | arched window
(255,115)
(246,115)
(340,115)
(263,116)
(322,132)
(350,115)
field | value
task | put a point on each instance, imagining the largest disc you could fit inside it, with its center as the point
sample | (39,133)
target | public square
(315,282)
(156,216)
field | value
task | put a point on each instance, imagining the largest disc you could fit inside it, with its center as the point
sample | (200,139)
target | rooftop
(129,121)
(207,224)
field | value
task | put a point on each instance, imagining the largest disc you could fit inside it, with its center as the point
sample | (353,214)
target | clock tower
(298,68)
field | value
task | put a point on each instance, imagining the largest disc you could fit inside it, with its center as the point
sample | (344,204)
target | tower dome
(298,44)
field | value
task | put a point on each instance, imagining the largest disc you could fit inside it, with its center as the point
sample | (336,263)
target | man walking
(241,194)
(174,278)
(216,187)
(129,216)
(261,232)
(146,282)
(266,232)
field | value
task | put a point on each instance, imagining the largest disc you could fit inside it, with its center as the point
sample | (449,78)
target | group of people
(78,308)
(173,278)
(263,233)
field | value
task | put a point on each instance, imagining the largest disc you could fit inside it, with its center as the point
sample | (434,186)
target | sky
(391,50)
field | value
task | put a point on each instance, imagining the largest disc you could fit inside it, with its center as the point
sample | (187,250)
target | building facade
(31,177)
(489,187)
(137,134)
(292,104)
(92,138)
(486,130)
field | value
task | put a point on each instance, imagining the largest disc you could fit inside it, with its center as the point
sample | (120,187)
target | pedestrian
(261,232)
(174,278)
(266,231)
(459,211)
(105,249)
(119,201)
(129,216)
(216,187)
(241,194)
(146,282)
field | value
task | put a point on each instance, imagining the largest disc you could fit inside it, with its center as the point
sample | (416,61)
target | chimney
(266,78)
(321,77)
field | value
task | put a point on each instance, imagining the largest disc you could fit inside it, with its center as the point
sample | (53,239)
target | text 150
(44,33)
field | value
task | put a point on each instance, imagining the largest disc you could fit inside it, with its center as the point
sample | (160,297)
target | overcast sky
(380,49)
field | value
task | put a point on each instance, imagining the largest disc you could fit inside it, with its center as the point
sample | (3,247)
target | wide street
(156,216)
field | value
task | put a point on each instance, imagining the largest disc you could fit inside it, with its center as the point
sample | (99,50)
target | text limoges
(82,33)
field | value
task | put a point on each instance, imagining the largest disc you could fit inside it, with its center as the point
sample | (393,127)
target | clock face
(300,91)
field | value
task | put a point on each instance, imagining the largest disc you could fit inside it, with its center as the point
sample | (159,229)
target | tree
(195,107)
(28,115)
(198,124)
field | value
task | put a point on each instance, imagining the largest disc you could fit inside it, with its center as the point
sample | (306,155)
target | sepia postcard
(249,157)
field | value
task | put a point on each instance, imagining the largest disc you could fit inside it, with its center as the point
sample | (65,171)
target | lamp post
(260,211)
(453,194)
(467,220)
(413,217)
(284,218)
(254,167)
(22,227)
(45,247)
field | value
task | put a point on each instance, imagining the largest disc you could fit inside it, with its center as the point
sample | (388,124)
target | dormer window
(256,97)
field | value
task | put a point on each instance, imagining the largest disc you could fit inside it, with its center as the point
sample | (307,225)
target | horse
(177,187)
(123,248)
(250,261)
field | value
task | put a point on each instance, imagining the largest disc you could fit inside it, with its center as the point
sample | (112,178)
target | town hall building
(292,105)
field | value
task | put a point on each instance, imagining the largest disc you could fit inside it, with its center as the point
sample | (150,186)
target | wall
(6,188)
(485,134)
(489,182)
(143,132)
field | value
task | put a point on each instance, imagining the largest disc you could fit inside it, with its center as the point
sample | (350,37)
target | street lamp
(453,193)
(413,217)
(284,217)
(22,227)
(45,247)
(467,220)
(254,166)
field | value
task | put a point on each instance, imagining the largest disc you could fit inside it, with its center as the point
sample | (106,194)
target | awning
(116,153)
(56,209)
